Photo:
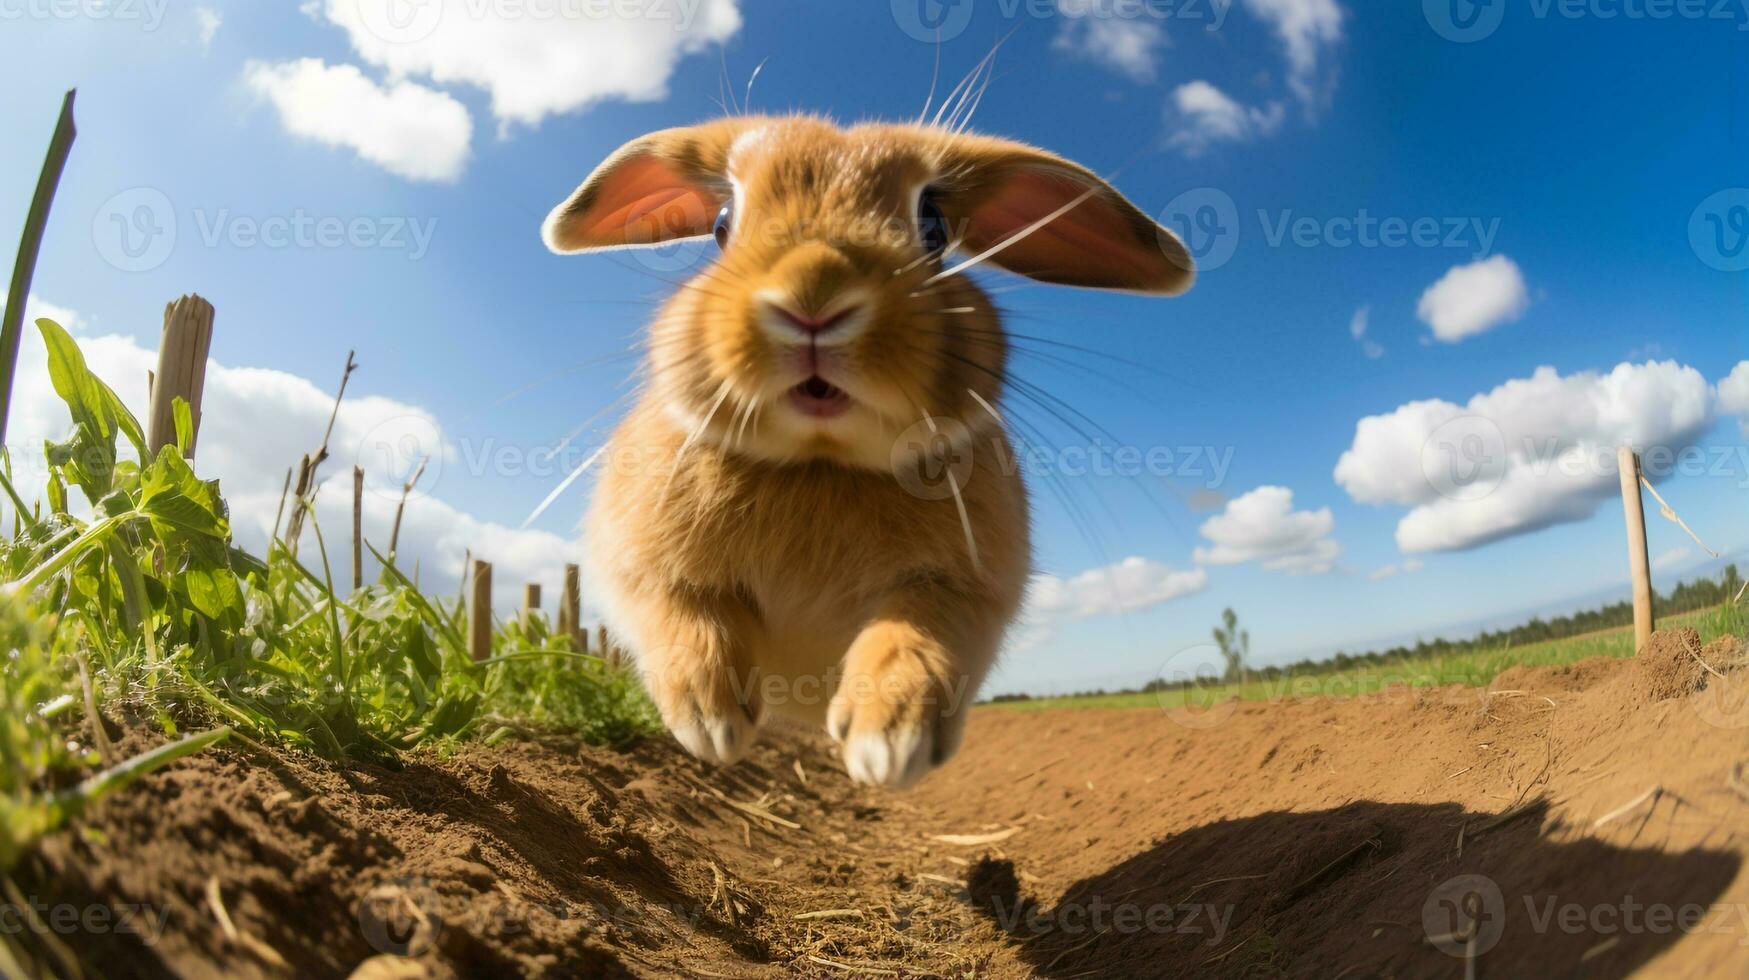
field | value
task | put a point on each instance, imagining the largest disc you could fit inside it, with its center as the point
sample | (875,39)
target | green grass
(135,603)
(1473,669)
(139,600)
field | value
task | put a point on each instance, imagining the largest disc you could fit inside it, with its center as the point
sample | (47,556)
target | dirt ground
(1589,820)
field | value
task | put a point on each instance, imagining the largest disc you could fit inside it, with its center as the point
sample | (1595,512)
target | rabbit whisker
(986,405)
(963,85)
(959,500)
(752,404)
(1018,236)
(747,100)
(565,443)
(679,454)
(1043,399)
(563,486)
(934,77)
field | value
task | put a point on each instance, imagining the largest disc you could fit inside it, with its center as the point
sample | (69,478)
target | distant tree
(1235,645)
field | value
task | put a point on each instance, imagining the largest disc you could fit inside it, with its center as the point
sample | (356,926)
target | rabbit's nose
(790,321)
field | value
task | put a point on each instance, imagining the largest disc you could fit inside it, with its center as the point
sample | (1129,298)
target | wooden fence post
(182,353)
(571,609)
(357,528)
(530,603)
(480,611)
(608,651)
(1629,465)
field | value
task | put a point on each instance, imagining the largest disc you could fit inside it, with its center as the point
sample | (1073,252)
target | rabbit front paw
(708,712)
(896,714)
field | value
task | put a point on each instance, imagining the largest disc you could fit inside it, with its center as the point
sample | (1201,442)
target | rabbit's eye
(720,231)
(931,224)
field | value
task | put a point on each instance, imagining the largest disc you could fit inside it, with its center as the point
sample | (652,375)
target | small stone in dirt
(386,967)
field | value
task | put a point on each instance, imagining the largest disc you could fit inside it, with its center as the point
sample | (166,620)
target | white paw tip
(720,741)
(895,759)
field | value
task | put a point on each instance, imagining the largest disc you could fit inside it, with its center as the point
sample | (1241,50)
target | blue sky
(1579,170)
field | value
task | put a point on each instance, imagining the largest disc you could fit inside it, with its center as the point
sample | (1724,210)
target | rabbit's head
(836,316)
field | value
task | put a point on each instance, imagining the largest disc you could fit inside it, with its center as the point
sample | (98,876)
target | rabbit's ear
(1047,218)
(659,188)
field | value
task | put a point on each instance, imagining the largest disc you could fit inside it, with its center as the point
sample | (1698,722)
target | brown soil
(1588,820)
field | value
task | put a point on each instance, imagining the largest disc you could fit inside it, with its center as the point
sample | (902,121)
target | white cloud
(407,129)
(1130,585)
(1127,586)
(1306,28)
(1531,453)
(1475,298)
(257,422)
(1409,567)
(1357,327)
(35,308)
(207,22)
(1096,31)
(1262,526)
(1207,115)
(535,59)
(1734,396)
(1671,558)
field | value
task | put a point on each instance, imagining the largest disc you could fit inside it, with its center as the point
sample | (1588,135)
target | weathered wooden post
(480,611)
(401,508)
(182,354)
(306,486)
(1629,464)
(530,603)
(294,528)
(357,528)
(571,609)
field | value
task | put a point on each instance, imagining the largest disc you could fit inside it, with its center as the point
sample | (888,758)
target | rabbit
(813,510)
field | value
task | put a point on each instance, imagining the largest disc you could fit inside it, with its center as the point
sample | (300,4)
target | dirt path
(1307,838)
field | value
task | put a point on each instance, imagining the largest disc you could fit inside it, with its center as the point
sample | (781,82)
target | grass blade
(24,266)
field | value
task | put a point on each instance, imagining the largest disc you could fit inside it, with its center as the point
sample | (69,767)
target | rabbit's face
(834,318)
(819,322)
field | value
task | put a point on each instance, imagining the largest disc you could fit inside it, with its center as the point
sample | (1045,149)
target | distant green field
(1473,669)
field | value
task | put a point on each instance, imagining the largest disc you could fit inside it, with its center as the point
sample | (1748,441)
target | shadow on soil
(1368,889)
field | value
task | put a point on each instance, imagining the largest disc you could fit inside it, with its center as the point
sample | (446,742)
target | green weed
(146,600)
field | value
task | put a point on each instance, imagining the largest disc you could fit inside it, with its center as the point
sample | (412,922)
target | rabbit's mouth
(819,398)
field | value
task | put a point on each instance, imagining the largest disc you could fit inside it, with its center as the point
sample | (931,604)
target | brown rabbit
(813,510)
